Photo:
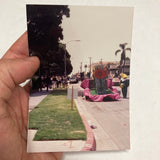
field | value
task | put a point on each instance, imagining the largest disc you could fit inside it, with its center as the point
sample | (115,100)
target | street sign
(72,93)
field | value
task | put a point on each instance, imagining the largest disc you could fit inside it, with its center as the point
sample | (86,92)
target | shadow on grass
(54,92)
(36,94)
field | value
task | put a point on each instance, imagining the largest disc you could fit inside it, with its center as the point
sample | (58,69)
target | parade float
(100,88)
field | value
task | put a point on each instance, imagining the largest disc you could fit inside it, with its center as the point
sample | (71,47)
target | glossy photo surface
(79,99)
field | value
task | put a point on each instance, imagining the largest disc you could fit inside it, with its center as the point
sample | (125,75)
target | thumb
(14,72)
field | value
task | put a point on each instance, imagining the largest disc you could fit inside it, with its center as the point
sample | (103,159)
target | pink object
(99,98)
(109,83)
(85,83)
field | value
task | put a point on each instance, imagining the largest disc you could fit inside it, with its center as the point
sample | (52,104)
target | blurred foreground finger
(19,49)
(15,71)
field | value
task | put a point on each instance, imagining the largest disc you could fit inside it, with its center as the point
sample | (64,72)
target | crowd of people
(51,82)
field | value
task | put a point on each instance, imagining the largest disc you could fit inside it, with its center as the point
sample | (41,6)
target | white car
(73,79)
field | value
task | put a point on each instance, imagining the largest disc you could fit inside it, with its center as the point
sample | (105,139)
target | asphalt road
(111,121)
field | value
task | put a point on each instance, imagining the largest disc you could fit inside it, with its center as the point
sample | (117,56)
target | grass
(93,92)
(55,120)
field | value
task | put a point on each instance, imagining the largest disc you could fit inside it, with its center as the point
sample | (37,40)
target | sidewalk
(56,146)
(52,146)
(36,98)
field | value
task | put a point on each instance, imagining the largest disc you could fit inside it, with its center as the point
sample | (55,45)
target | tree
(54,65)
(123,55)
(57,62)
(44,35)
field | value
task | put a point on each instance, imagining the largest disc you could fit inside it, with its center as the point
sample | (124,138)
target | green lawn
(55,120)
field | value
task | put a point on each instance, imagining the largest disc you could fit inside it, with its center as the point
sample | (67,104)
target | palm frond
(128,49)
(125,44)
(122,45)
(117,51)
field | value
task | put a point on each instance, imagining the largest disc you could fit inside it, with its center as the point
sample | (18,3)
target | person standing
(48,82)
(124,83)
(57,82)
(39,83)
(54,81)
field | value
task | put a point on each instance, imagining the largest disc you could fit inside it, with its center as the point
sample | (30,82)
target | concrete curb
(90,144)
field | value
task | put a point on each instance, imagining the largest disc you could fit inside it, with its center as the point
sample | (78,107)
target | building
(114,67)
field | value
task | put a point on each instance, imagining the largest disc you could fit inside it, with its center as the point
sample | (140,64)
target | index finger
(19,49)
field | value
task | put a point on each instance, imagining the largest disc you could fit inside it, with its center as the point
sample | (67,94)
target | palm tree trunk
(124,64)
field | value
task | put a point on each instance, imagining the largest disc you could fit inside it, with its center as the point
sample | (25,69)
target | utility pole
(90,66)
(81,67)
(101,61)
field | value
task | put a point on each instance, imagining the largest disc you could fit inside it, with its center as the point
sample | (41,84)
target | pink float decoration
(109,83)
(100,98)
(85,83)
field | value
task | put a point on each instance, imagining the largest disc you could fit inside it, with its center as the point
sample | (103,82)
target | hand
(15,67)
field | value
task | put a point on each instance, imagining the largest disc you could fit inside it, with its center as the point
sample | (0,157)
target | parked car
(116,81)
(73,79)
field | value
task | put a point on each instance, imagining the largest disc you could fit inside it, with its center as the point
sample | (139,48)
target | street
(111,121)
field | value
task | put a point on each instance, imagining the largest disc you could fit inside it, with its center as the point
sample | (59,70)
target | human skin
(15,67)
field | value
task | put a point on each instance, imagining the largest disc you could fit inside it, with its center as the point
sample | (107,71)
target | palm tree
(123,54)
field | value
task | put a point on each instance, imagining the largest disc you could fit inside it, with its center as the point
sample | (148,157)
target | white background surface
(145,72)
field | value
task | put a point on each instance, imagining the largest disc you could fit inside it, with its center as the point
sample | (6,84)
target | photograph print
(79,97)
